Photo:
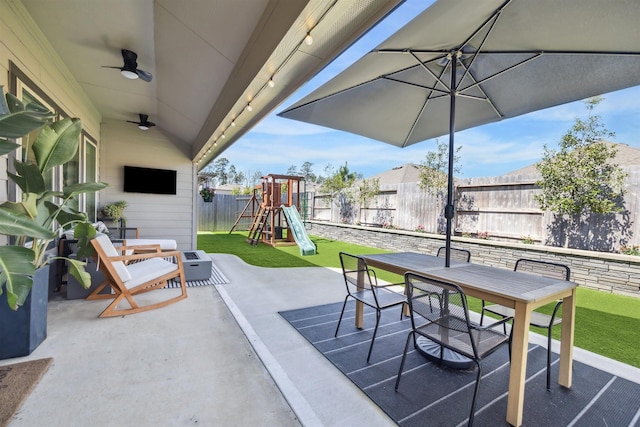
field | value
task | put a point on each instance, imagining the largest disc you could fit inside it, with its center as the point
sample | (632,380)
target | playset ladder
(258,226)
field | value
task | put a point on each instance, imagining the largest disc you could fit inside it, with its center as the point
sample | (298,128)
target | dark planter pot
(22,331)
(75,289)
(207,199)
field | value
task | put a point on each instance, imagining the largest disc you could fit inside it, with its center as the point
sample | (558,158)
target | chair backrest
(458,254)
(444,307)
(105,248)
(549,269)
(355,269)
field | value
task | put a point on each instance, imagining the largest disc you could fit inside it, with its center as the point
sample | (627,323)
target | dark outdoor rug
(16,382)
(430,395)
(217,278)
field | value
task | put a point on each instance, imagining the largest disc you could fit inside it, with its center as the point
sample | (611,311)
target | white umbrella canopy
(507,58)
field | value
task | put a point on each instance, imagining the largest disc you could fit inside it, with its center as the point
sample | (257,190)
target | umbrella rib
(428,98)
(434,89)
(493,19)
(424,66)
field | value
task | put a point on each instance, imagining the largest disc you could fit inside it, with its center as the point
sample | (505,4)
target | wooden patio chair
(130,273)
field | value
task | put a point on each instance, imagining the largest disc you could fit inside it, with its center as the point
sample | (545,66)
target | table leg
(566,343)
(517,375)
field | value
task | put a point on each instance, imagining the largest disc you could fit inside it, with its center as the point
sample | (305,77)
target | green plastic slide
(307,247)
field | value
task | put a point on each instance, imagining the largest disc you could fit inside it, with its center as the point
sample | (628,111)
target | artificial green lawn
(606,324)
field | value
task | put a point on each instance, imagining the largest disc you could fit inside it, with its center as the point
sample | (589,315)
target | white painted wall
(155,215)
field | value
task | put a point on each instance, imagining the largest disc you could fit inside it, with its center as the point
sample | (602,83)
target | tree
(231,174)
(435,167)
(580,177)
(307,172)
(338,185)
(220,169)
(367,190)
(434,173)
(239,178)
(293,170)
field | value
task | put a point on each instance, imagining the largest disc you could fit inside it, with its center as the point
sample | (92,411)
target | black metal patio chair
(445,321)
(362,285)
(458,254)
(539,320)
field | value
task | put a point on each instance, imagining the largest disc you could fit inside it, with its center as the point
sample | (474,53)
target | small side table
(197,265)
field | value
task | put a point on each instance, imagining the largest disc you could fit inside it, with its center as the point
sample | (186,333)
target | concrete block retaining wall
(607,272)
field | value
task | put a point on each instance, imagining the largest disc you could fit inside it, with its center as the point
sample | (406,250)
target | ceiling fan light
(129,74)
(143,127)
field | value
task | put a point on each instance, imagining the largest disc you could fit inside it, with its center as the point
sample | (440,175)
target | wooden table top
(476,279)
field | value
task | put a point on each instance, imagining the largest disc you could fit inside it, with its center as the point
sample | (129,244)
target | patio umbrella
(464,63)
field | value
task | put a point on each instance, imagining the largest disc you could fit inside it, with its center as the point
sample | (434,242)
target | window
(82,168)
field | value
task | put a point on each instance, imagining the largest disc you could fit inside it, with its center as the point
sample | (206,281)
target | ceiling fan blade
(150,124)
(144,75)
(129,121)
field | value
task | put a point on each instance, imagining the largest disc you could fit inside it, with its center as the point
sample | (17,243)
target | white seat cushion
(147,270)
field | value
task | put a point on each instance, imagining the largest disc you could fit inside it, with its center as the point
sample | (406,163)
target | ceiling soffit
(333,25)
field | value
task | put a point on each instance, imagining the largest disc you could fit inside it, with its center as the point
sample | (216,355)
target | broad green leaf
(29,178)
(64,215)
(57,143)
(83,187)
(84,232)
(15,224)
(17,270)
(18,119)
(7,147)
(76,269)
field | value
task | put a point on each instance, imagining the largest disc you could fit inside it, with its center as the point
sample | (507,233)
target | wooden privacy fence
(501,208)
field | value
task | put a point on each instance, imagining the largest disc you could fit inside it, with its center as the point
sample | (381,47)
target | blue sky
(487,150)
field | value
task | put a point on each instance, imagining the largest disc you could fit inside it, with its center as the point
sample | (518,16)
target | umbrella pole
(449,208)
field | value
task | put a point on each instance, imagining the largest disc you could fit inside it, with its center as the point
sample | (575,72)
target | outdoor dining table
(521,291)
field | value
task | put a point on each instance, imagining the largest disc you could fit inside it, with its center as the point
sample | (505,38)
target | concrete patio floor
(223,357)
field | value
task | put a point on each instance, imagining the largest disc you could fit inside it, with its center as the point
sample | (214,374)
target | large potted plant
(36,220)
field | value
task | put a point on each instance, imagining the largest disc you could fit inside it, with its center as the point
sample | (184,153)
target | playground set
(275,221)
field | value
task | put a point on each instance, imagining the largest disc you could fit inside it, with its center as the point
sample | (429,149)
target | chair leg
(404,356)
(341,313)
(375,331)
(475,395)
(549,358)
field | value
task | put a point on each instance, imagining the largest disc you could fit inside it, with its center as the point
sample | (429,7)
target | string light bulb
(249,107)
(308,39)
(223,136)
(233,124)
(271,83)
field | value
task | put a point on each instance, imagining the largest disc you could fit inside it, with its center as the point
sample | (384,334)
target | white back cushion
(110,250)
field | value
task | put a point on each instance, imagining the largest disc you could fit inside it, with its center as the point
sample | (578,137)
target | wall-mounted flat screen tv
(148,180)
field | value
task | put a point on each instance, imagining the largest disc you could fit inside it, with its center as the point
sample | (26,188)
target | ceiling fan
(144,123)
(130,67)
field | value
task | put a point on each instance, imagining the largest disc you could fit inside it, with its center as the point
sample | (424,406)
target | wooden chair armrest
(147,255)
(134,248)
